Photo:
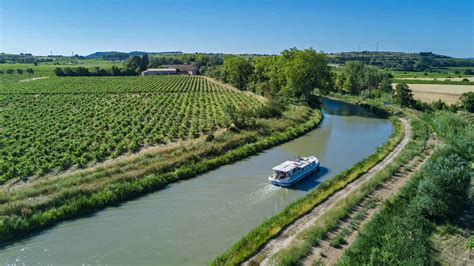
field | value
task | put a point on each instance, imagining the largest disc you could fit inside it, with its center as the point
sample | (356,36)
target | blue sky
(86,26)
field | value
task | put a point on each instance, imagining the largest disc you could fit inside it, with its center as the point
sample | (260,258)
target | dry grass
(433,92)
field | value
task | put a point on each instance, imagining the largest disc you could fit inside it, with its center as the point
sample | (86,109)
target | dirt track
(288,235)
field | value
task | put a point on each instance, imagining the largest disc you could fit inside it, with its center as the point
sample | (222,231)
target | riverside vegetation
(438,194)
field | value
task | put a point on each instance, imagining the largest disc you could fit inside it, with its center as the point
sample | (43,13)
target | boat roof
(286,166)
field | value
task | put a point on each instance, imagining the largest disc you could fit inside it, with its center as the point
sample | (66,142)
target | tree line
(294,74)
(18,71)
(133,66)
(424,61)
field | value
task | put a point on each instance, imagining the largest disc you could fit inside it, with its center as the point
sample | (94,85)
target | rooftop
(286,166)
(160,69)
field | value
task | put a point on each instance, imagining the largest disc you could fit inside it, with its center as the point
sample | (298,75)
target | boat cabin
(285,169)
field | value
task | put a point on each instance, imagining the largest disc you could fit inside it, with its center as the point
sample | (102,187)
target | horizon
(230,27)
(259,54)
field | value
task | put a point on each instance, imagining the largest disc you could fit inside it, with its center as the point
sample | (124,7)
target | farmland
(58,123)
(433,92)
(47,68)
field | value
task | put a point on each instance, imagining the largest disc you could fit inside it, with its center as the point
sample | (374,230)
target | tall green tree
(467,101)
(403,94)
(133,63)
(144,63)
(305,71)
(357,77)
(238,70)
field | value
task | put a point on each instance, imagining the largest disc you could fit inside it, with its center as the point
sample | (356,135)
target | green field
(47,68)
(61,122)
(445,72)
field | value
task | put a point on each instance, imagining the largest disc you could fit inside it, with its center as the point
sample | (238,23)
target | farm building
(160,71)
(183,69)
(172,69)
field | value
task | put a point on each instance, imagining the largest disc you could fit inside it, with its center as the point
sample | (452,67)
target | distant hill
(400,60)
(114,55)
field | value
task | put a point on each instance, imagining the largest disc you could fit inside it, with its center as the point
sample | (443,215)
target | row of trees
(202,61)
(294,74)
(83,71)
(357,77)
(401,61)
(18,71)
(131,67)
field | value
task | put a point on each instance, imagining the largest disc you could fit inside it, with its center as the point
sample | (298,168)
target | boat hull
(294,179)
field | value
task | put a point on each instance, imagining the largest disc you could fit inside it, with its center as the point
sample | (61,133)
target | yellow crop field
(432,92)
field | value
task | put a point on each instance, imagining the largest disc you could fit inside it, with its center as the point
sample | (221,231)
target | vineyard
(59,123)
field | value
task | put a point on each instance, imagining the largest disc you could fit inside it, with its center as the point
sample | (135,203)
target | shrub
(337,241)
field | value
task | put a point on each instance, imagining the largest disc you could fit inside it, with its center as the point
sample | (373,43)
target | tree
(403,94)
(19,71)
(467,101)
(238,70)
(59,72)
(443,192)
(115,71)
(10,71)
(82,71)
(357,77)
(468,72)
(267,78)
(133,63)
(439,105)
(424,63)
(305,71)
(144,63)
(30,71)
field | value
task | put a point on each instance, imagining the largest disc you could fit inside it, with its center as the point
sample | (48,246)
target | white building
(160,71)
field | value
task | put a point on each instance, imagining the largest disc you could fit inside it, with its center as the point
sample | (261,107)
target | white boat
(289,172)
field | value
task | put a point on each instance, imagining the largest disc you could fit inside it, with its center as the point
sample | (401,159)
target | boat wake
(261,194)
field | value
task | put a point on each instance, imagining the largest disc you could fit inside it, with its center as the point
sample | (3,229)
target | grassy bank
(329,220)
(401,233)
(250,243)
(86,192)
